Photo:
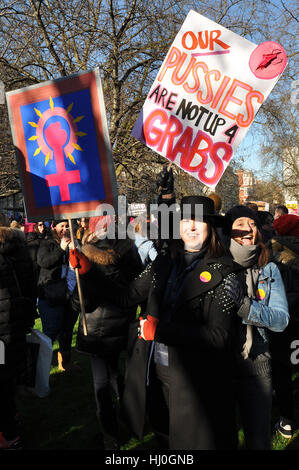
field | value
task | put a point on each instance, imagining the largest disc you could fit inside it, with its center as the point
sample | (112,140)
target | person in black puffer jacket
(33,241)
(285,251)
(107,324)
(17,316)
(56,283)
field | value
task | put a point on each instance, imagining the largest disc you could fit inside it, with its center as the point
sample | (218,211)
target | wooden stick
(79,284)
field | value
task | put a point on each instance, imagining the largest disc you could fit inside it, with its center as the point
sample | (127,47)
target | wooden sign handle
(79,284)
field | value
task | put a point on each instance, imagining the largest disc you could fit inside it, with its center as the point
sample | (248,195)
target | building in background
(246,181)
(291,179)
(12,204)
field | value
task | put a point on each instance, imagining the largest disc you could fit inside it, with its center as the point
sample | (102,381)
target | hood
(285,250)
(8,233)
(287,224)
(9,239)
(102,256)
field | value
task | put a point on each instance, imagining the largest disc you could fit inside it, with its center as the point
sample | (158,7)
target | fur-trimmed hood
(9,237)
(101,256)
(285,250)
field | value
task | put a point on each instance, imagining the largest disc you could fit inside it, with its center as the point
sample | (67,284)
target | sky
(250,145)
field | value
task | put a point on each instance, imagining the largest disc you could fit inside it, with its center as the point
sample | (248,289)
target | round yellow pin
(261,294)
(205,276)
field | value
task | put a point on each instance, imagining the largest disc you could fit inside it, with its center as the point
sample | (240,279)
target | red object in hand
(148,327)
(78,260)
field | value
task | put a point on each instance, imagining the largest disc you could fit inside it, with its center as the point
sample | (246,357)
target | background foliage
(128,39)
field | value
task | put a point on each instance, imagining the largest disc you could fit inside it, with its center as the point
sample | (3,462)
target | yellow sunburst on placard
(42,145)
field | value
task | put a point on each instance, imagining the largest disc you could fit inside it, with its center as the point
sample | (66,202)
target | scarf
(247,257)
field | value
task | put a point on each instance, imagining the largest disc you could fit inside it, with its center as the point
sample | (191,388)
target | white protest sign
(136,209)
(205,96)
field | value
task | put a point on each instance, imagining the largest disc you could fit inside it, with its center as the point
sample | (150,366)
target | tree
(46,39)
(268,191)
(280,148)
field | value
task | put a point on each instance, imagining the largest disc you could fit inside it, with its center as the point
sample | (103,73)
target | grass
(65,420)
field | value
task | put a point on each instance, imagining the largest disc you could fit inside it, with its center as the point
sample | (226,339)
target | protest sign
(292,207)
(136,209)
(205,96)
(62,146)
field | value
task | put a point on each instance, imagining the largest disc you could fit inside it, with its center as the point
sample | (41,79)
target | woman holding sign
(180,368)
(56,282)
(103,262)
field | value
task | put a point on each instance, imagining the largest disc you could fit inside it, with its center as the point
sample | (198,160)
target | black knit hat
(56,222)
(242,211)
(208,210)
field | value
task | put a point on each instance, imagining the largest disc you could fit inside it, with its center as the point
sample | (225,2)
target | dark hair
(264,255)
(217,201)
(252,205)
(215,246)
(263,216)
(55,236)
(35,228)
(283,209)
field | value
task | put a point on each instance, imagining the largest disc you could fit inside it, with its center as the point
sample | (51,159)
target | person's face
(244,231)
(83,223)
(41,227)
(277,213)
(62,229)
(193,233)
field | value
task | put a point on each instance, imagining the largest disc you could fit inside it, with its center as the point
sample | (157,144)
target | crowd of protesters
(204,321)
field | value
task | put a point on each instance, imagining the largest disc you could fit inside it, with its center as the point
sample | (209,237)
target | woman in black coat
(56,283)
(17,316)
(285,250)
(180,369)
(105,262)
(33,240)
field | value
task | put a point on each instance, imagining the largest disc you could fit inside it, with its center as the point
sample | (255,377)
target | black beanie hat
(243,211)
(56,222)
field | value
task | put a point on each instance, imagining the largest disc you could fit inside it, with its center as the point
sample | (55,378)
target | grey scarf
(247,257)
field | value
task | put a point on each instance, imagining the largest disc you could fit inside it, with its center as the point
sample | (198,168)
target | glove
(244,309)
(147,328)
(234,290)
(78,260)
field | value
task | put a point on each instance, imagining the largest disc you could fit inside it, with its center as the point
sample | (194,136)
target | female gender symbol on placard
(56,137)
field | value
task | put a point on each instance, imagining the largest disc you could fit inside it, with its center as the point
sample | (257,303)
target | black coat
(114,265)
(285,253)
(17,300)
(200,338)
(33,241)
(50,259)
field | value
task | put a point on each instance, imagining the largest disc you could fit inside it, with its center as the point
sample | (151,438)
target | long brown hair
(264,255)
(55,236)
